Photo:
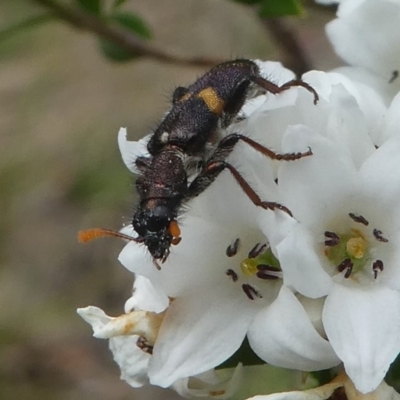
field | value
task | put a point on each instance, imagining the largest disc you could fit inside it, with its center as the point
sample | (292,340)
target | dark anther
(359,219)
(377,266)
(378,236)
(256,251)
(232,249)
(232,274)
(144,345)
(265,275)
(250,292)
(347,265)
(267,267)
(266,272)
(332,239)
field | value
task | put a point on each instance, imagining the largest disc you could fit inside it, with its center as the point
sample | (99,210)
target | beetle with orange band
(180,147)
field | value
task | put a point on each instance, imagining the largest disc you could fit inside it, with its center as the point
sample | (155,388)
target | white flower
(221,283)
(131,340)
(124,336)
(351,102)
(368,81)
(216,299)
(345,245)
(213,292)
(217,296)
(366,34)
(125,332)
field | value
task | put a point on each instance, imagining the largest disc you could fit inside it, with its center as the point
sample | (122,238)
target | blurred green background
(61,105)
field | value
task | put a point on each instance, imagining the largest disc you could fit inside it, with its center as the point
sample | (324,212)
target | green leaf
(132,22)
(118,3)
(280,8)
(90,6)
(244,355)
(114,52)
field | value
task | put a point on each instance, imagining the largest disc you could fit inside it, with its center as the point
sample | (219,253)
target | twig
(294,56)
(119,36)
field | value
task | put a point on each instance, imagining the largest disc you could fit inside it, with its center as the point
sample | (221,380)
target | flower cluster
(309,291)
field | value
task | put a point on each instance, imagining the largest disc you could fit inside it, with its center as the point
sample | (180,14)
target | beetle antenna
(95,233)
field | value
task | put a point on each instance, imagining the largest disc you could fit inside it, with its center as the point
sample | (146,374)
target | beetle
(188,137)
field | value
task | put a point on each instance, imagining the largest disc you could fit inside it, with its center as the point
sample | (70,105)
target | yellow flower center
(249,266)
(356,247)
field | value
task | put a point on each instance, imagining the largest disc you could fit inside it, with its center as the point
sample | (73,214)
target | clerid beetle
(187,132)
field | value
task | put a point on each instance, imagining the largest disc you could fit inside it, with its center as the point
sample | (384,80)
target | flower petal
(366,35)
(347,125)
(385,89)
(131,150)
(380,178)
(392,118)
(199,332)
(141,323)
(135,258)
(94,316)
(363,327)
(301,266)
(210,384)
(283,335)
(132,361)
(313,187)
(146,297)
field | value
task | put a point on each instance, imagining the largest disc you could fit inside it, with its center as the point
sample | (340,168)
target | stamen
(348,272)
(144,345)
(333,239)
(377,266)
(256,251)
(250,292)
(232,249)
(267,267)
(267,276)
(359,219)
(347,265)
(232,274)
(378,236)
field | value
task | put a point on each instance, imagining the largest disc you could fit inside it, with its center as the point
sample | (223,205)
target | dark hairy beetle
(183,139)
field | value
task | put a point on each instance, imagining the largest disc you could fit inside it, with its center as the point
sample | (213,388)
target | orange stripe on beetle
(214,103)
